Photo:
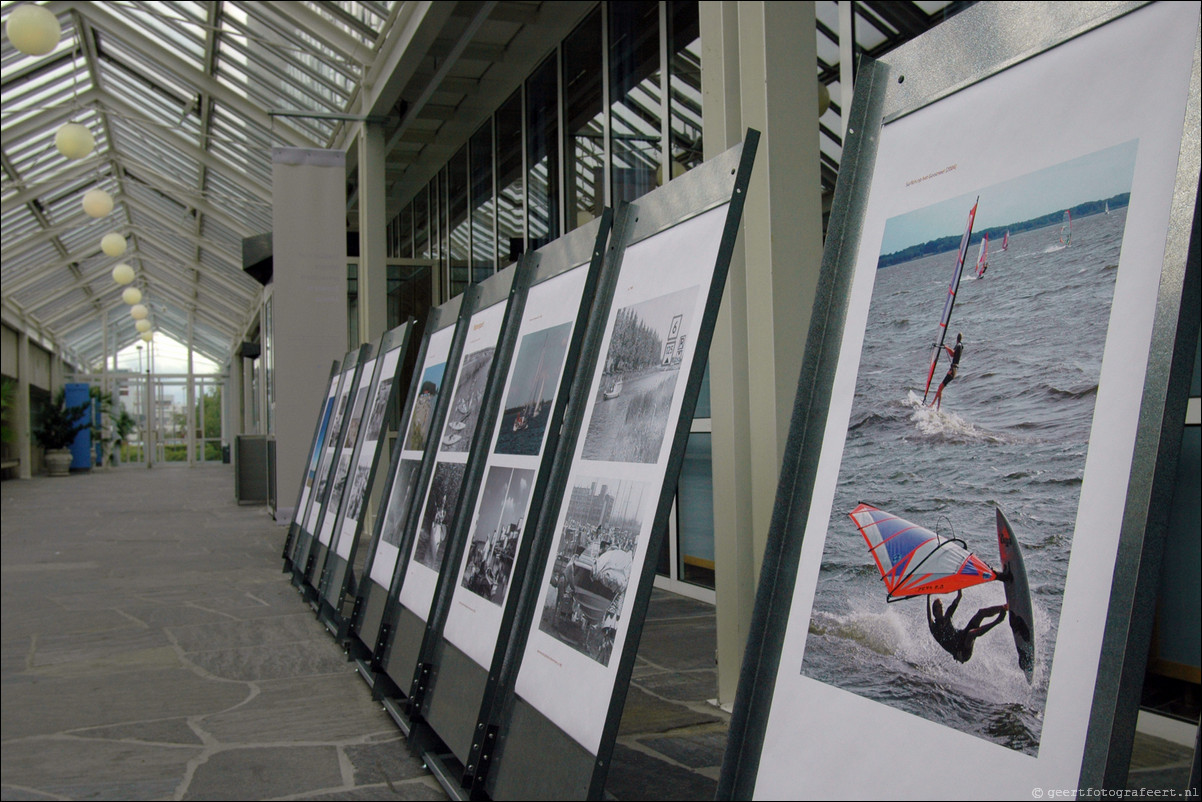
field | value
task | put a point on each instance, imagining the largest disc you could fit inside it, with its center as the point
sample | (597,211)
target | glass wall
(612,113)
(584,123)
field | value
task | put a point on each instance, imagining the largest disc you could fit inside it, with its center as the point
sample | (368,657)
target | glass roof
(177,96)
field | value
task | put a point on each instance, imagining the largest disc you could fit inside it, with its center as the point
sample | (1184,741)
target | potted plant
(56,431)
(123,427)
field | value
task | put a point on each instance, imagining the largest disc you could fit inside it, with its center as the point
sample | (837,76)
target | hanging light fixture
(74,140)
(113,244)
(147,336)
(142,325)
(97,203)
(33,29)
(132,295)
(824,98)
(139,312)
(123,274)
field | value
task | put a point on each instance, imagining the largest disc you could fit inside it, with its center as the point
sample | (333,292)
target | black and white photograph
(438,516)
(379,406)
(344,467)
(593,562)
(465,406)
(498,528)
(536,372)
(355,500)
(398,501)
(647,346)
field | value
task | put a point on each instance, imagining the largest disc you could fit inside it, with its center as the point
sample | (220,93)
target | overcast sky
(1094,177)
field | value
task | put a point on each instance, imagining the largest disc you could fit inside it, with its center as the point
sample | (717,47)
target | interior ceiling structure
(186,99)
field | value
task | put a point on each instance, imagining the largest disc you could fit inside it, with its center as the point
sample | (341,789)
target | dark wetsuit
(959,642)
(955,354)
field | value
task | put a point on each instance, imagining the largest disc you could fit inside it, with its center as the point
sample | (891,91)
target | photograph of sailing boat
(593,560)
(423,407)
(535,376)
(465,406)
(440,508)
(398,501)
(647,345)
(973,405)
(498,527)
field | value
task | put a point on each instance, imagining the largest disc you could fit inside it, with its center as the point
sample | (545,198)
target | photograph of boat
(465,406)
(496,532)
(638,378)
(535,377)
(593,562)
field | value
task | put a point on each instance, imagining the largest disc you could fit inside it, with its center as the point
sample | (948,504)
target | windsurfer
(955,354)
(959,642)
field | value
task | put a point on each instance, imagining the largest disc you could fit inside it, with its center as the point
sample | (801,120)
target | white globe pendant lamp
(113,244)
(139,312)
(33,29)
(142,325)
(123,274)
(132,295)
(147,336)
(74,140)
(97,203)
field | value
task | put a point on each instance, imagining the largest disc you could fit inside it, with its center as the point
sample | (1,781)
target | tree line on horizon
(952,243)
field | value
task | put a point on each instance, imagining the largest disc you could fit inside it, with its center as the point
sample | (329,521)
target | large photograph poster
(374,417)
(318,447)
(435,519)
(604,525)
(329,453)
(343,475)
(1025,434)
(474,620)
(414,431)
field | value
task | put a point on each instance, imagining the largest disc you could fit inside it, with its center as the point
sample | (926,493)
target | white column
(190,413)
(308,313)
(373,234)
(755,60)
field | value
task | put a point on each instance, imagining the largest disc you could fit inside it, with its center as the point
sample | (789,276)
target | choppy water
(1012,433)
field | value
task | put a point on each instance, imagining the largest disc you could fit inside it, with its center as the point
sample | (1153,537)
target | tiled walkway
(152,649)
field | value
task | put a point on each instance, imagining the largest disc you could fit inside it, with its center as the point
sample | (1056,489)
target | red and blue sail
(950,302)
(913,560)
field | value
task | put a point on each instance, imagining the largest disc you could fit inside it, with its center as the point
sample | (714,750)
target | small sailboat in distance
(1066,228)
(983,256)
(1006,240)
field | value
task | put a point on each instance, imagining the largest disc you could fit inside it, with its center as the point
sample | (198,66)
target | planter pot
(58,462)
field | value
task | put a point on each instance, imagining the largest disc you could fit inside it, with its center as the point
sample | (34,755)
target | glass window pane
(352,307)
(584,111)
(484,251)
(510,181)
(695,512)
(405,233)
(421,226)
(459,236)
(542,154)
(684,81)
(634,112)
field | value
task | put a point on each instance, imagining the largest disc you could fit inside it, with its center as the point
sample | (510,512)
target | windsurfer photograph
(955,354)
(958,642)
(882,623)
